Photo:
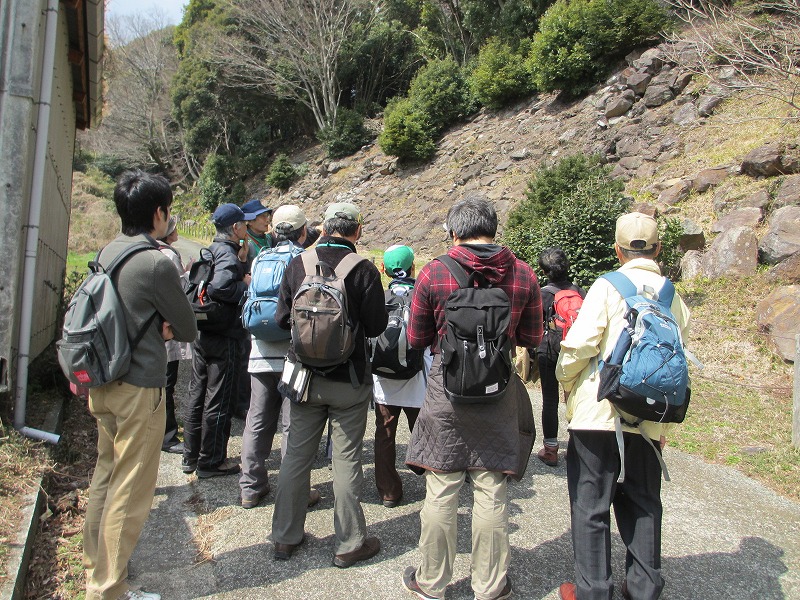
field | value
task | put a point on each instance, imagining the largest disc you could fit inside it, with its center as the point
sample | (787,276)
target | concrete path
(725,536)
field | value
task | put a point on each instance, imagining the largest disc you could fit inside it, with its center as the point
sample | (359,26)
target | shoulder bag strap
(456,270)
(347,264)
(621,283)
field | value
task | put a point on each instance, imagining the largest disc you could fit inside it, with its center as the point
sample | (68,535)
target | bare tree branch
(291,49)
(755,49)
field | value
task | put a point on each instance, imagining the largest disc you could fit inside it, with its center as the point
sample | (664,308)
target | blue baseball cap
(253,208)
(228,214)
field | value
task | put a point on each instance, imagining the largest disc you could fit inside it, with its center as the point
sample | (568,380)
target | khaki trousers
(439,519)
(130,429)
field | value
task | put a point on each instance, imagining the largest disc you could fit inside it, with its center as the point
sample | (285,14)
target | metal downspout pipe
(32,227)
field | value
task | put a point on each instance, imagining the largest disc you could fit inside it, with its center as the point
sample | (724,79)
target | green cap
(397,260)
(343,210)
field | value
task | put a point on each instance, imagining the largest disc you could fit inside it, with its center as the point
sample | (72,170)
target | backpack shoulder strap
(551,288)
(621,283)
(126,254)
(347,264)
(456,270)
(667,294)
(310,259)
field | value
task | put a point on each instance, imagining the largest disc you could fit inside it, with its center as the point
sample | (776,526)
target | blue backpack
(258,312)
(647,375)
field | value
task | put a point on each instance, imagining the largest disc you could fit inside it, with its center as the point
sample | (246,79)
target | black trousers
(547,377)
(171,428)
(213,393)
(243,400)
(593,466)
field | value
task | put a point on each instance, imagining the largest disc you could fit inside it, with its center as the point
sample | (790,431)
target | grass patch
(22,463)
(741,409)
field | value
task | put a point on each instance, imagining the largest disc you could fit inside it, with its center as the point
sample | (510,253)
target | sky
(172,10)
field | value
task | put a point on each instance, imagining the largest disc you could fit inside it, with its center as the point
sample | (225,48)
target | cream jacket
(592,337)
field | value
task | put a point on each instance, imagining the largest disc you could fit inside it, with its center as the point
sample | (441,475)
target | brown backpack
(323,334)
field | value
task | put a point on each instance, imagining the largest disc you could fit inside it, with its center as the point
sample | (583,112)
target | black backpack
(476,350)
(212,316)
(392,357)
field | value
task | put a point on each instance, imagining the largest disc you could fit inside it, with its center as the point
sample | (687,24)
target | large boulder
(783,238)
(675,193)
(707,104)
(787,271)
(734,252)
(692,264)
(759,199)
(618,105)
(741,217)
(789,193)
(771,160)
(778,315)
(685,115)
(710,177)
(692,236)
(657,94)
(638,82)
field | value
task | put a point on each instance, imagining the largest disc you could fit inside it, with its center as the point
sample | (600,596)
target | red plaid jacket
(502,269)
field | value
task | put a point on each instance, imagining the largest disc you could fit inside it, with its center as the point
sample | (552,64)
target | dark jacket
(227,284)
(550,346)
(365,301)
(455,437)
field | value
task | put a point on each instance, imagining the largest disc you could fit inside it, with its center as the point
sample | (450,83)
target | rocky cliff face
(648,120)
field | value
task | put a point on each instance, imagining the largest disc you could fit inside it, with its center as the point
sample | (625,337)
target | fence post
(796,411)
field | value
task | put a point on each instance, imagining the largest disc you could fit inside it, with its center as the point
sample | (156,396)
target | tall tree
(138,126)
(292,49)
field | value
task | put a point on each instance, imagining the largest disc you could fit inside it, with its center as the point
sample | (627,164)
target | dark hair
(281,235)
(312,233)
(554,264)
(473,217)
(137,196)
(343,227)
(631,254)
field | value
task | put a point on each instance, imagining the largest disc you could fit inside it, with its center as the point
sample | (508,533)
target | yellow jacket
(592,337)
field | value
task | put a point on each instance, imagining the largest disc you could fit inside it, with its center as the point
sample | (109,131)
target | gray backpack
(94,348)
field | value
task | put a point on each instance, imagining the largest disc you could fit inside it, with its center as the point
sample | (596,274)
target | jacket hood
(491,260)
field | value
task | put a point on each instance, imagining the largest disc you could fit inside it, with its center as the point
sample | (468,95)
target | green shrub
(407,132)
(213,181)
(346,136)
(281,173)
(500,75)
(550,185)
(579,40)
(440,90)
(583,227)
(670,230)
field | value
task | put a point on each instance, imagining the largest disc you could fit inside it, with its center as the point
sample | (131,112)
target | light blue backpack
(258,312)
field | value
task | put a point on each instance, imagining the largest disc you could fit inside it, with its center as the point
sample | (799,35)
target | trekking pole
(796,411)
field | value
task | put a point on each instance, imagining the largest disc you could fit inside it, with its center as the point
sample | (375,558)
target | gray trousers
(266,404)
(593,466)
(347,409)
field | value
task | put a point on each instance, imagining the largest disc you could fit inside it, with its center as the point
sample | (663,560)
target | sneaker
(176,448)
(549,455)
(253,501)
(369,548)
(189,465)
(506,592)
(391,503)
(139,595)
(226,468)
(410,581)
(567,591)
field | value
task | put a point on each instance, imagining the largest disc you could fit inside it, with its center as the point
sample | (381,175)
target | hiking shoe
(549,455)
(255,500)
(567,591)
(369,548)
(313,497)
(226,468)
(506,592)
(410,581)
(285,551)
(139,595)
(391,502)
(189,465)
